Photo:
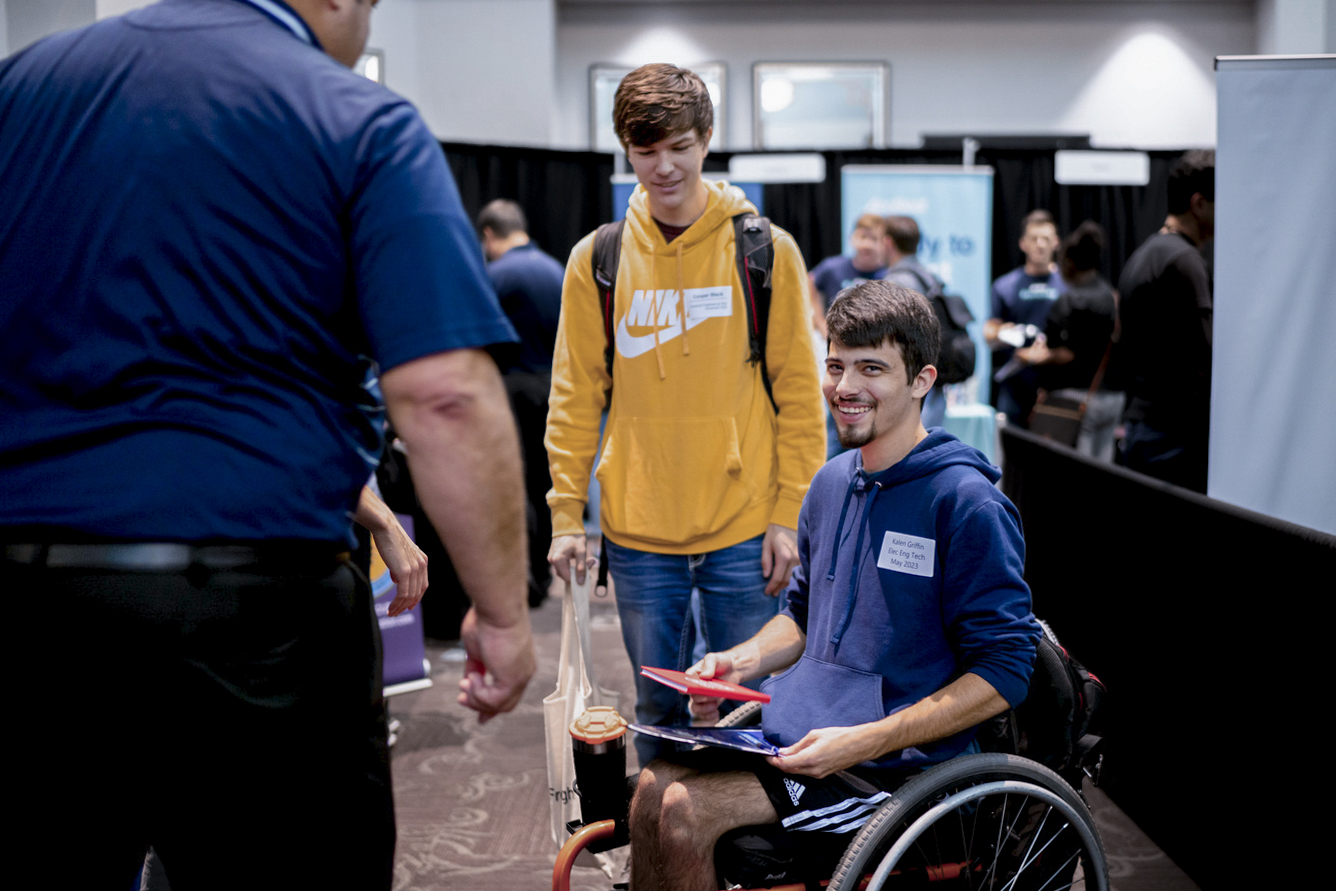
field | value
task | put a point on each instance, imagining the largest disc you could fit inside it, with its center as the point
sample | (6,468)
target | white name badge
(907,553)
(708,303)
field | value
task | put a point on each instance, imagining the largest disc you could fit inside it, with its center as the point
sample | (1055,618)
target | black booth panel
(1207,623)
(565,195)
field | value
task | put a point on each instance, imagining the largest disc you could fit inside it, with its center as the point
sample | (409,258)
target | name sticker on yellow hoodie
(701,304)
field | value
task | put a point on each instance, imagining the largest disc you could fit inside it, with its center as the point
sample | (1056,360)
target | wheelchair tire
(987,821)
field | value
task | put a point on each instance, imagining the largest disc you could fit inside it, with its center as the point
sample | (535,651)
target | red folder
(679,681)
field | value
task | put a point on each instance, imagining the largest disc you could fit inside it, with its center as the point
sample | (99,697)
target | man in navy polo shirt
(528,283)
(214,233)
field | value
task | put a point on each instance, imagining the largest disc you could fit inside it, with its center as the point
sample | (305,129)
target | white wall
(478,70)
(30,20)
(1130,74)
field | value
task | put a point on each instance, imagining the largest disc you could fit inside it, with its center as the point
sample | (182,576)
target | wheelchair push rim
(987,821)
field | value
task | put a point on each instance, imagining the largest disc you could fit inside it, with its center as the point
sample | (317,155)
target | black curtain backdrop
(567,194)
(1205,621)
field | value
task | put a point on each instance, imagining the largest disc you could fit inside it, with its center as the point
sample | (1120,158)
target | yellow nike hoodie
(695,457)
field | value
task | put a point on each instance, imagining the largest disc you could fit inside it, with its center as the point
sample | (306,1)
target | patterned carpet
(472,799)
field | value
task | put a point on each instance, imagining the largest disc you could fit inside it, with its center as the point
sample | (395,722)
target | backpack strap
(605,259)
(754,247)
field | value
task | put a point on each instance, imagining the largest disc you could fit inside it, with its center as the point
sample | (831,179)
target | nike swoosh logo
(632,345)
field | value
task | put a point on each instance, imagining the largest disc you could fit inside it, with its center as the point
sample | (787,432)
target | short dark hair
(657,101)
(872,312)
(903,233)
(1038,217)
(1192,173)
(504,217)
(1081,249)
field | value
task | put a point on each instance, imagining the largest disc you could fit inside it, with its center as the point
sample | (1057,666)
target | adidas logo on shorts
(796,790)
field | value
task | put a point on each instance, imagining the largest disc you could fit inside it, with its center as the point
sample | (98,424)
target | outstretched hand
(716,666)
(499,664)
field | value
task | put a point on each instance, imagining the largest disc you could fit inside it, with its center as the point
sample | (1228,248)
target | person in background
(1164,350)
(833,274)
(528,283)
(904,268)
(1077,341)
(1021,302)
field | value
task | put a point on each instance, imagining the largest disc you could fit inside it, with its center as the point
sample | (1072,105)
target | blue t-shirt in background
(212,232)
(834,274)
(1026,299)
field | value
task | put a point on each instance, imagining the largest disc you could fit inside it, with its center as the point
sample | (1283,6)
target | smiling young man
(908,622)
(702,477)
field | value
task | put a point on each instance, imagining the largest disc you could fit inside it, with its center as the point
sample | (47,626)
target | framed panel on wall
(371,65)
(603,82)
(820,105)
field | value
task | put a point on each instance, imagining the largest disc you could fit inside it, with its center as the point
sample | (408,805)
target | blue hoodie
(908,578)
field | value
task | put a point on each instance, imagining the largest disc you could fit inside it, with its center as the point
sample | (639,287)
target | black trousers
(232,720)
(528,400)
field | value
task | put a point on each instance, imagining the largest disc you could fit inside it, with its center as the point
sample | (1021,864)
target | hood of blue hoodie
(940,449)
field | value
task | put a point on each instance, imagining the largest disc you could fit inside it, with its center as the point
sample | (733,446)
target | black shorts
(838,804)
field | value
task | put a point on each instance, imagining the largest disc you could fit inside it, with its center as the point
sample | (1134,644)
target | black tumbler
(598,742)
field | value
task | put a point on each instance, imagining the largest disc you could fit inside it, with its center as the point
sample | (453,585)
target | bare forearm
(373,514)
(775,647)
(965,702)
(957,706)
(464,454)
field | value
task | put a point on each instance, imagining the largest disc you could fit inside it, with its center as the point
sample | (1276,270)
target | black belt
(165,556)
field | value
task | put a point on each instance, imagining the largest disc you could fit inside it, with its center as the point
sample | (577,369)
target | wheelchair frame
(985,821)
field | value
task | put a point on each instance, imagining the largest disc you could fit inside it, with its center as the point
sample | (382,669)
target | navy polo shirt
(528,284)
(213,233)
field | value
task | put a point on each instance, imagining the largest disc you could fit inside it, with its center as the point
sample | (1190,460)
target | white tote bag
(577,689)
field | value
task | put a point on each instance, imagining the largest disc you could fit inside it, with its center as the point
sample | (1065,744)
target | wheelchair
(993,820)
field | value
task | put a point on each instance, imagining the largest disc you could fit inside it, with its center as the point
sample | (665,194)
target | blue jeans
(654,602)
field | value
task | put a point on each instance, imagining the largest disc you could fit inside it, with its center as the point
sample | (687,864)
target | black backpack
(1058,724)
(755,251)
(955,361)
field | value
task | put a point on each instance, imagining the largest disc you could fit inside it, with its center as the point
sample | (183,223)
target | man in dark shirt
(213,232)
(528,284)
(1165,349)
(1021,301)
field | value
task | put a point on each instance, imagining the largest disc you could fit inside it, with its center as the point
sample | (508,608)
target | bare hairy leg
(678,814)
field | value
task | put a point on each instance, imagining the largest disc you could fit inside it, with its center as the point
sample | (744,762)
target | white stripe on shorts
(843,817)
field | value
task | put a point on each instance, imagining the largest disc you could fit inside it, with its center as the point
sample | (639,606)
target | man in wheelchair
(907,623)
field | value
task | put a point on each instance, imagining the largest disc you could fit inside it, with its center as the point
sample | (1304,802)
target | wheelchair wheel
(979,822)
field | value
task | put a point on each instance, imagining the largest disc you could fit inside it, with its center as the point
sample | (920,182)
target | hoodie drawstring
(839,528)
(865,526)
(654,319)
(682,301)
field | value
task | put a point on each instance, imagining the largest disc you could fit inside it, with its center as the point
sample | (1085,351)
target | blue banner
(953,207)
